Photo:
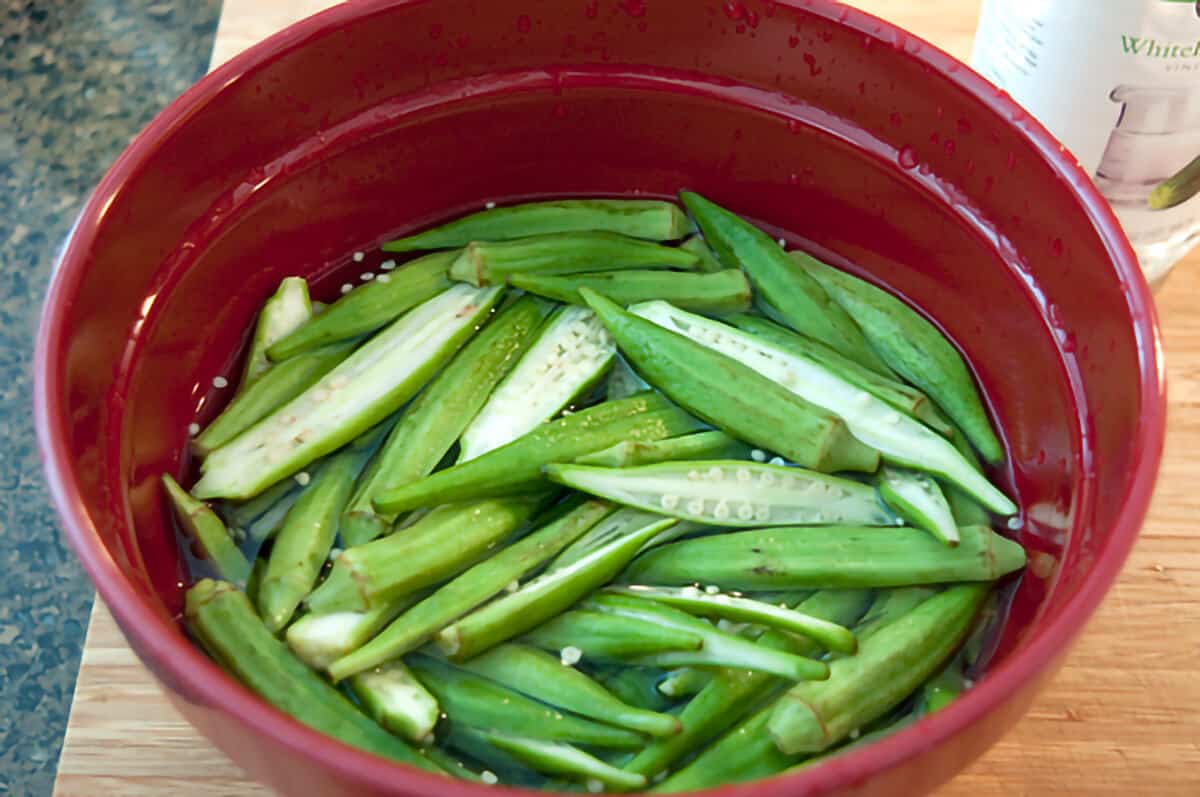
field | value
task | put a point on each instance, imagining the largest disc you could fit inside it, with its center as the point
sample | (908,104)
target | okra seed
(594,786)
(669,501)
(334,553)
(745,512)
(1014,522)
(721,511)
(490,206)
(302,478)
(346,288)
(220,382)
(193,429)
(762,514)
(854,734)
(782,243)
(694,475)
(696,506)
(387,265)
(366,276)
(758,456)
(690,591)
(744,475)
(320,394)
(383,278)
(570,656)
(715,473)
(358,257)
(767,479)
(489,777)
(712,589)
(512,586)
(777,461)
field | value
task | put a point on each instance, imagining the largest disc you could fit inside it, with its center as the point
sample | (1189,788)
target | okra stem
(397,701)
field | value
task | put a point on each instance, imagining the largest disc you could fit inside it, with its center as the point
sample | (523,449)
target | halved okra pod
(558,758)
(286,311)
(396,700)
(747,610)
(471,589)
(828,557)
(368,386)
(436,418)
(306,537)
(721,292)
(651,219)
(483,263)
(700,445)
(546,678)
(720,648)
(549,594)
(480,702)
(225,623)
(271,390)
(899,438)
(918,499)
(571,353)
(370,306)
(516,467)
(445,542)
(732,493)
(796,296)
(732,396)
(898,395)
(887,668)
(914,348)
(208,534)
(732,693)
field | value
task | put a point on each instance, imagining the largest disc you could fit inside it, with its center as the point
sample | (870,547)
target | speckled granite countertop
(78,78)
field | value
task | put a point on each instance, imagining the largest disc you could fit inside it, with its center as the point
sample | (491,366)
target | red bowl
(855,138)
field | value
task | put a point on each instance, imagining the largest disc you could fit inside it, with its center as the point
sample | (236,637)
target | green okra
(914,348)
(745,753)
(285,312)
(684,682)
(451,764)
(623,381)
(596,635)
(636,686)
(242,515)
(483,263)
(888,607)
(700,445)
(558,758)
(897,437)
(370,306)
(892,392)
(482,703)
(435,419)
(371,384)
(547,595)
(570,355)
(731,396)
(730,696)
(721,292)
(942,688)
(254,579)
(271,390)
(965,509)
(796,296)
(651,219)
(1178,188)
(720,649)
(475,586)
(888,667)
(617,526)
(223,620)
(392,697)
(492,763)
(544,677)
(269,523)
(321,639)
(517,466)
(732,493)
(708,258)
(210,538)
(704,603)
(828,557)
(918,499)
(445,542)
(306,537)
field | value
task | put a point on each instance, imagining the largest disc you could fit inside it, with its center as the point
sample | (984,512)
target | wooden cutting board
(1123,717)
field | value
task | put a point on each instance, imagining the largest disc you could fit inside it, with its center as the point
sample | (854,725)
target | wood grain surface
(1122,718)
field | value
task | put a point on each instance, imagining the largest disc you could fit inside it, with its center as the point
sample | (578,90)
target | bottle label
(1118,83)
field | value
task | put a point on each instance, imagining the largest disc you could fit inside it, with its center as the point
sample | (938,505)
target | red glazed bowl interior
(839,131)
